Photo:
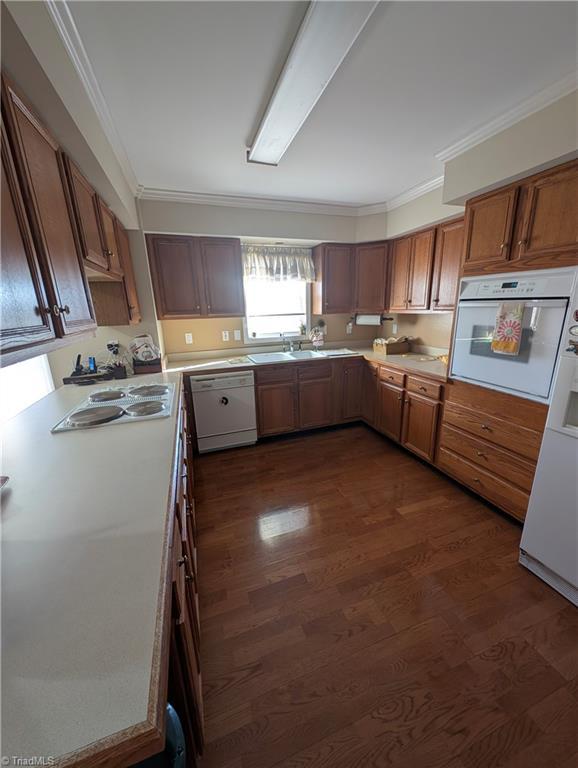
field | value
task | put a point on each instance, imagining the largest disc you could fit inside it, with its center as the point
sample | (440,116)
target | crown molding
(242,201)
(414,192)
(535,103)
(64,22)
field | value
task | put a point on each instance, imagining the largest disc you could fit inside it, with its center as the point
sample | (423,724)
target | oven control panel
(513,288)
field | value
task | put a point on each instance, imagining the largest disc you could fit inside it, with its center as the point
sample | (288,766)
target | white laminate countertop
(413,362)
(83,521)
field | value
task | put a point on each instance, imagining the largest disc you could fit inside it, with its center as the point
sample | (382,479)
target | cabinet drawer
(276,374)
(315,370)
(512,437)
(424,387)
(391,376)
(495,460)
(492,488)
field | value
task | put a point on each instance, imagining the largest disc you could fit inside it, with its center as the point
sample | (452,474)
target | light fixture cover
(325,36)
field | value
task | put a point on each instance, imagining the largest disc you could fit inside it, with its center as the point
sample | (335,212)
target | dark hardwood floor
(361,610)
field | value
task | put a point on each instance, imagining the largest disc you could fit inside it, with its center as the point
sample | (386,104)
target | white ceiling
(187,82)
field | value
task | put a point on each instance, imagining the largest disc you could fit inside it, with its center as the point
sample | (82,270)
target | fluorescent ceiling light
(327,32)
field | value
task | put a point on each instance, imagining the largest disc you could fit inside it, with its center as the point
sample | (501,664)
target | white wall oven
(509,328)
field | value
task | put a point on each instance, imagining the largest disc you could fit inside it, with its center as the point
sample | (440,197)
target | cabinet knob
(436,301)
(182,560)
(65,309)
(55,310)
(406,402)
(399,397)
(503,245)
(188,577)
(485,426)
(481,454)
(522,242)
(409,301)
(208,307)
(390,378)
(476,480)
(423,389)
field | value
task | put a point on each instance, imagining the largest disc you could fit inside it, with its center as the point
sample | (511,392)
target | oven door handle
(486,303)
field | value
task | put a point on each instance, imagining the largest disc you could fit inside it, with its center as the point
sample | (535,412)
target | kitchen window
(276,283)
(22,384)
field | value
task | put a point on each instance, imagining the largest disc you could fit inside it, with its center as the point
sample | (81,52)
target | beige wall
(371,227)
(190,218)
(424,210)
(207,333)
(431,329)
(546,138)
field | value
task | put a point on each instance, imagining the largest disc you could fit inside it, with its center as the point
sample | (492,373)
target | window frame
(250,340)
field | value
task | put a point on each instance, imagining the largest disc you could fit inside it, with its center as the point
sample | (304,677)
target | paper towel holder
(382,317)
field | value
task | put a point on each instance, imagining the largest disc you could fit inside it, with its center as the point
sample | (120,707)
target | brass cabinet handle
(522,242)
(476,480)
(481,453)
(390,378)
(485,426)
(503,245)
(400,397)
(182,560)
(423,389)
(406,402)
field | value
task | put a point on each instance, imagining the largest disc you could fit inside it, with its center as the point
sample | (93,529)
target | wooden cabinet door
(488,228)
(223,276)
(107,218)
(550,217)
(369,393)
(129,279)
(389,410)
(370,277)
(422,249)
(43,180)
(351,393)
(175,275)
(447,263)
(315,403)
(85,202)
(336,278)
(23,305)
(420,417)
(399,274)
(277,408)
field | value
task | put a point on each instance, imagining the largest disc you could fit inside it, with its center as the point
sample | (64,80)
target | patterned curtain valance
(278,262)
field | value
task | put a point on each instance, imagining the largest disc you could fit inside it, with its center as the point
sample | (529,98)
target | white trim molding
(289,206)
(242,201)
(64,22)
(528,107)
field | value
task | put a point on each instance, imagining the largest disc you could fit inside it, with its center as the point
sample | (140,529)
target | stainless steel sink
(305,354)
(269,357)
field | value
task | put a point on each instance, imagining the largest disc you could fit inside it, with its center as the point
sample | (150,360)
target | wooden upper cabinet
(128,274)
(222,271)
(41,174)
(399,274)
(107,218)
(549,223)
(25,321)
(334,275)
(447,263)
(421,270)
(488,228)
(175,273)
(88,217)
(370,277)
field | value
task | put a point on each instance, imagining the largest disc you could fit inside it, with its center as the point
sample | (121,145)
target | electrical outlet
(225,335)
(237,335)
(188,338)
(394,328)
(349,328)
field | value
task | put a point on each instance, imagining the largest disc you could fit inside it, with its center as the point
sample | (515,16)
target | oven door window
(530,371)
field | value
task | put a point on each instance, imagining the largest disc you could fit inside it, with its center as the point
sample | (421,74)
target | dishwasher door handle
(224,401)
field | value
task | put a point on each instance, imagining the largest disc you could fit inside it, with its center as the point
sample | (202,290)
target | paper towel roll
(368,320)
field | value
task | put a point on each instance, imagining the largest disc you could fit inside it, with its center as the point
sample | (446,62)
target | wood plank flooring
(359,610)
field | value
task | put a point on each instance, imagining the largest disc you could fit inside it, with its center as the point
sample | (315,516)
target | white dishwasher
(224,406)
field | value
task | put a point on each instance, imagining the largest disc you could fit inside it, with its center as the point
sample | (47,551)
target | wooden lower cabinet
(390,410)
(351,391)
(369,394)
(490,441)
(315,403)
(420,417)
(277,408)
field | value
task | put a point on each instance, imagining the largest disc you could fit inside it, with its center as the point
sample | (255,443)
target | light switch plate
(188,338)
(225,335)
(237,335)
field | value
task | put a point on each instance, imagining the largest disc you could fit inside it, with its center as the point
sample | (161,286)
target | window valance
(274,262)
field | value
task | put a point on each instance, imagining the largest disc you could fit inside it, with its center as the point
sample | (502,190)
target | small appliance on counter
(146,356)
(85,375)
